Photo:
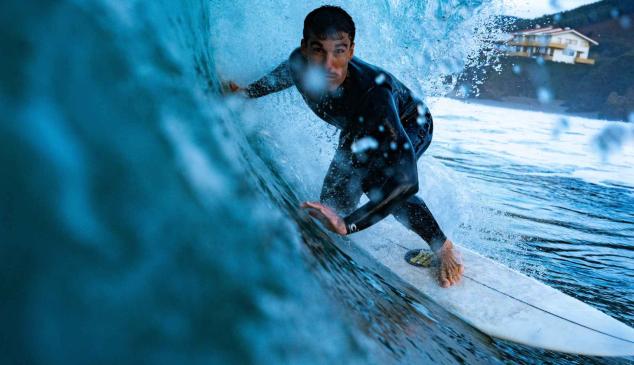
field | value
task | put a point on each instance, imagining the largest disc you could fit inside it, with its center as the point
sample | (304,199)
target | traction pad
(425,260)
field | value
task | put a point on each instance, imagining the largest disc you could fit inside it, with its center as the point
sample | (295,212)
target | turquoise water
(147,219)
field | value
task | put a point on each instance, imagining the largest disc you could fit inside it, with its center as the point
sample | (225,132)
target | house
(552,44)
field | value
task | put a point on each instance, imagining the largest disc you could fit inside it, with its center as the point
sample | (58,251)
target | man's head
(329,42)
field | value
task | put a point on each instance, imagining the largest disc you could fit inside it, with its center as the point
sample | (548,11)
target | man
(384,130)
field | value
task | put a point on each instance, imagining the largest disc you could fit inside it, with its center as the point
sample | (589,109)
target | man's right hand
(230,87)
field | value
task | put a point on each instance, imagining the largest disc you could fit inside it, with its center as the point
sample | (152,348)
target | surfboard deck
(509,305)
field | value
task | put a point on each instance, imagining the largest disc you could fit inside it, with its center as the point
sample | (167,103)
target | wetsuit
(384,130)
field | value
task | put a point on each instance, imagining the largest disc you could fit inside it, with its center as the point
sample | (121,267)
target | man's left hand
(326,216)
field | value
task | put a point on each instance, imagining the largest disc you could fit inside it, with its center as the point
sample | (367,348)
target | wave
(146,218)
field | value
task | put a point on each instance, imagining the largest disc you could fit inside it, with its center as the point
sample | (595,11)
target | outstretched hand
(230,87)
(326,216)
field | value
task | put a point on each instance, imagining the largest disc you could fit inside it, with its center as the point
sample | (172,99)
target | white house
(552,44)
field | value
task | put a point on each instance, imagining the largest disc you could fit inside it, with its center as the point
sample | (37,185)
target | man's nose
(330,62)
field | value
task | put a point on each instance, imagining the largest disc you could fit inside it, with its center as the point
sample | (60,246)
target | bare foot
(451,267)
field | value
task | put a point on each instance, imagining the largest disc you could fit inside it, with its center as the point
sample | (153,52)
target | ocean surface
(147,218)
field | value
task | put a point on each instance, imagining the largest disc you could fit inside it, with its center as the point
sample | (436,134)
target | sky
(536,8)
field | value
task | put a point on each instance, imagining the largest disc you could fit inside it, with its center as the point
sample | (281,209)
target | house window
(569,52)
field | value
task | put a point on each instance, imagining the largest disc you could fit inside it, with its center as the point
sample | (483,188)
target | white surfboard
(506,304)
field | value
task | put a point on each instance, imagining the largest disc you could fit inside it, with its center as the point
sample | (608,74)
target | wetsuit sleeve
(276,80)
(392,173)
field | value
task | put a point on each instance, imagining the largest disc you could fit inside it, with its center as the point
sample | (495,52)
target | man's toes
(453,276)
(444,278)
(455,279)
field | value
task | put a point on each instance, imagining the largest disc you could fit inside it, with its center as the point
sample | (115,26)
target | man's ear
(351,50)
(302,47)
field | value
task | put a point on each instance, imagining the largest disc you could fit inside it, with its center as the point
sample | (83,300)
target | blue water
(147,219)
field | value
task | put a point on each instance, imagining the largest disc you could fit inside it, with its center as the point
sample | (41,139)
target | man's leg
(415,215)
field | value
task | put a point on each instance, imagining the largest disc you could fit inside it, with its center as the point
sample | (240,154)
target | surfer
(384,131)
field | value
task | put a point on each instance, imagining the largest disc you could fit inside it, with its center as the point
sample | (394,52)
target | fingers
(315,213)
(230,87)
(233,86)
(320,207)
(315,205)
(328,217)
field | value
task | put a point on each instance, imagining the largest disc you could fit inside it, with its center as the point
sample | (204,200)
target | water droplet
(393,145)
(364,144)
(360,119)
(464,91)
(406,145)
(540,60)
(561,125)
(315,80)
(380,79)
(517,69)
(610,140)
(625,22)
(420,120)
(375,194)
(544,95)
(381,128)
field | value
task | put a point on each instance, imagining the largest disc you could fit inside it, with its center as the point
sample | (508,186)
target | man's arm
(393,163)
(276,80)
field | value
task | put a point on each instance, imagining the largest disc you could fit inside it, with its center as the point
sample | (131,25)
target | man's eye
(317,50)
(339,51)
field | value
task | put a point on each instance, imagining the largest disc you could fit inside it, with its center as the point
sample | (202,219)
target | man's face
(331,54)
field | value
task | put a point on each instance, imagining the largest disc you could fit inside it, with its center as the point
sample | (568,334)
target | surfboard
(509,305)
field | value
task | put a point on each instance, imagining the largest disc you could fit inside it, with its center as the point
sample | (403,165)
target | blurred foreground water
(145,218)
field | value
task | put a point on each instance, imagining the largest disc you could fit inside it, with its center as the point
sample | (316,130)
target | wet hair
(328,21)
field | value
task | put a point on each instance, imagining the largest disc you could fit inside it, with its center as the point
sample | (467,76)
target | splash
(149,219)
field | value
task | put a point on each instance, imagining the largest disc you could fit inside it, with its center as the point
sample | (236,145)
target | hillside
(606,88)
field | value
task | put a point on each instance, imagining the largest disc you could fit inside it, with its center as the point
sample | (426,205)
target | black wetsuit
(384,130)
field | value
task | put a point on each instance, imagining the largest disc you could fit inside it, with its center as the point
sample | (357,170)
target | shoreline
(530,104)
